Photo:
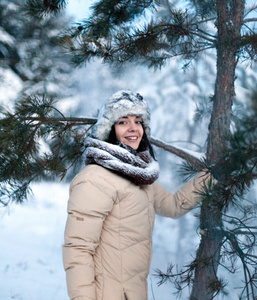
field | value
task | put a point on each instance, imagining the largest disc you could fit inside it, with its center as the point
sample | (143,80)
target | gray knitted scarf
(140,167)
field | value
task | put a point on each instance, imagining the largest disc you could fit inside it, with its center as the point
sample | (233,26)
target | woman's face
(129,130)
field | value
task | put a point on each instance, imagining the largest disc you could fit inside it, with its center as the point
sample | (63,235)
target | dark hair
(143,146)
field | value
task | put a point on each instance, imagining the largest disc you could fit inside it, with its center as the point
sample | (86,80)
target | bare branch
(72,120)
(250,20)
(180,153)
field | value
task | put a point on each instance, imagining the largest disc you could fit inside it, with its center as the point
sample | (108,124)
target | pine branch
(247,272)
(116,13)
(41,8)
(179,35)
(204,8)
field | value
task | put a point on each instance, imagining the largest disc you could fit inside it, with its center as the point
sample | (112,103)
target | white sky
(79,8)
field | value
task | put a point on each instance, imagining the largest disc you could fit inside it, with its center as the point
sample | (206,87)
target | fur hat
(121,104)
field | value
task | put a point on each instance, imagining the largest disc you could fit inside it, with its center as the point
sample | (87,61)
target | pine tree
(151,33)
(31,64)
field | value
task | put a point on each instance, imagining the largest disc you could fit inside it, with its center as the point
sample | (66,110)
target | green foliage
(109,14)
(34,54)
(118,32)
(236,172)
(40,8)
(237,169)
(203,109)
(22,159)
(204,8)
(249,46)
(149,33)
(183,278)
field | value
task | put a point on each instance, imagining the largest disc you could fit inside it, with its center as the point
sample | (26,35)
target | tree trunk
(229,22)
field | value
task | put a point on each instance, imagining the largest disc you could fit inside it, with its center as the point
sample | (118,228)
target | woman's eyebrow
(126,117)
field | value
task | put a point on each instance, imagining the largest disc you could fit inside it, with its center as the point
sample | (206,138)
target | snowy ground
(31,238)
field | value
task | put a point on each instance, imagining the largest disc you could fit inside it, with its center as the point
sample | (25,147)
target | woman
(112,204)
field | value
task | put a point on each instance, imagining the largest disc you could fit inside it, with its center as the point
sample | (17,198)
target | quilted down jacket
(108,236)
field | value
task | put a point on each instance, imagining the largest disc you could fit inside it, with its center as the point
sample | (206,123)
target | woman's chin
(132,145)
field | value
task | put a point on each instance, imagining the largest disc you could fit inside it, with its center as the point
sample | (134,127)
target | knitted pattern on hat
(121,104)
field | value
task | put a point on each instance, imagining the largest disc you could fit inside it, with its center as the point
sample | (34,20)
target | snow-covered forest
(31,233)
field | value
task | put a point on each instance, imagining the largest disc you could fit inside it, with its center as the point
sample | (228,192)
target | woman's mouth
(132,138)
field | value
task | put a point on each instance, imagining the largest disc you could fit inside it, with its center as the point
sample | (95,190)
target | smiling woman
(129,130)
(112,205)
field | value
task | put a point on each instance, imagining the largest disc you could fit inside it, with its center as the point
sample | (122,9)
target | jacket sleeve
(176,205)
(89,203)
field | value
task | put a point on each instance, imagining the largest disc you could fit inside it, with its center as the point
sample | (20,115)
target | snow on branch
(184,154)
(72,120)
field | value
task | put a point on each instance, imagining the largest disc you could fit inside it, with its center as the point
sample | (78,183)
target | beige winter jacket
(108,235)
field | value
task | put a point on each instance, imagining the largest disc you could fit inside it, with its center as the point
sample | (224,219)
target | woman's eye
(121,122)
(139,122)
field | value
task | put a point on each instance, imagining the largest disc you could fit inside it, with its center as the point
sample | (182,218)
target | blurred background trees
(34,75)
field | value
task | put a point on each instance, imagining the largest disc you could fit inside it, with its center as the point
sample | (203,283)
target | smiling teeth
(132,138)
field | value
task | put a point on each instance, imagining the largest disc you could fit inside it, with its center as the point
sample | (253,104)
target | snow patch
(6,38)
(10,87)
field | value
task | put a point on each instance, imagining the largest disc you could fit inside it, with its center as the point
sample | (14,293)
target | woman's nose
(133,127)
